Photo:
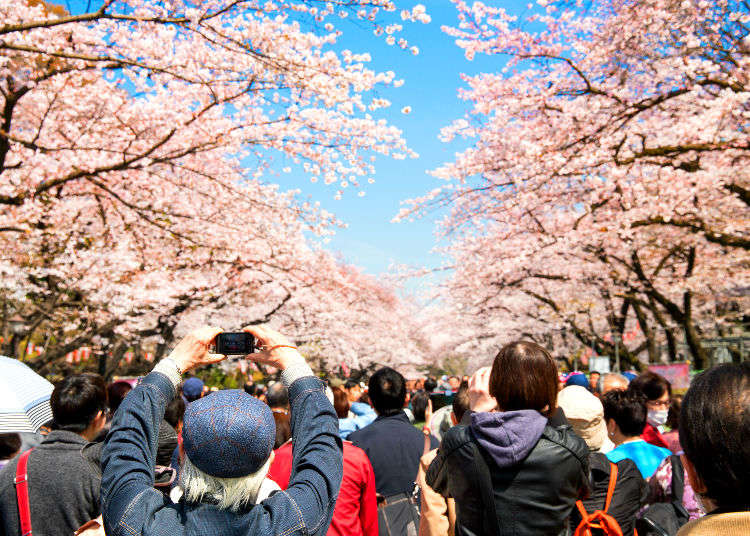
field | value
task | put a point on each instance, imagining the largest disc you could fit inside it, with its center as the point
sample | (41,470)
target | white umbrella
(24,397)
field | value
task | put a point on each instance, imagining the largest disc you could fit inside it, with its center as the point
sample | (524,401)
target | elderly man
(611,381)
(227,442)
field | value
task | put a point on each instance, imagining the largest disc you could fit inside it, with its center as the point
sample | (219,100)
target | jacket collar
(400,416)
(64,437)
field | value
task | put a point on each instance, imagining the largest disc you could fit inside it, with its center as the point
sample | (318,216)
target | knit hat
(192,388)
(577,379)
(228,434)
(585,414)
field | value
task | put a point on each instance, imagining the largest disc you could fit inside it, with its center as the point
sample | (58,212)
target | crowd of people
(515,449)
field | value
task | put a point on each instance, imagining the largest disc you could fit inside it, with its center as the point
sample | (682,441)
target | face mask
(657,417)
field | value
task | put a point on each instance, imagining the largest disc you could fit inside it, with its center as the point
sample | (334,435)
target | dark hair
(419,405)
(430,384)
(283,428)
(10,444)
(387,390)
(594,372)
(277,396)
(350,383)
(166,443)
(250,388)
(524,376)
(175,412)
(77,399)
(673,417)
(628,409)
(651,385)
(340,402)
(715,433)
(116,393)
(461,401)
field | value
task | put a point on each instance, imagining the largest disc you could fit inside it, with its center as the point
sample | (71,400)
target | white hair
(231,493)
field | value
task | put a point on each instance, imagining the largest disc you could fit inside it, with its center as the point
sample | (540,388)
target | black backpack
(665,519)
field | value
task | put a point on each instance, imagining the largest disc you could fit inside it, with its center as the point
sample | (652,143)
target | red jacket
(356,512)
(652,435)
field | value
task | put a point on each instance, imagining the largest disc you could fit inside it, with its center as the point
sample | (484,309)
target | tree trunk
(693,340)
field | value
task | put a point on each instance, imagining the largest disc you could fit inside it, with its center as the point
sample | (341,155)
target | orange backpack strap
(612,484)
(582,509)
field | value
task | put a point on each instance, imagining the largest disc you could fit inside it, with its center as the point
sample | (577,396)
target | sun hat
(585,414)
(228,434)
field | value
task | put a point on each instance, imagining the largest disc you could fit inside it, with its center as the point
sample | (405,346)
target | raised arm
(129,453)
(317,460)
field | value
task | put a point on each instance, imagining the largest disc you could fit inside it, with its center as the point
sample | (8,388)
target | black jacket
(394,447)
(628,498)
(533,497)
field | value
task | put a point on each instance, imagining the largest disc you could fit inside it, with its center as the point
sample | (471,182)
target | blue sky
(432,79)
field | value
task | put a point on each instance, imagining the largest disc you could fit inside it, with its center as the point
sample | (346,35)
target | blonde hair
(231,493)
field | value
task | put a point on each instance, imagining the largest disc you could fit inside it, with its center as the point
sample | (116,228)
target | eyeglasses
(658,403)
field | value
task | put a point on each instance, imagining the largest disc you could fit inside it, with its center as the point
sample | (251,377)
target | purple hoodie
(508,436)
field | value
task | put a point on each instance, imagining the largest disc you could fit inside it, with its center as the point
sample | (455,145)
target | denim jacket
(131,505)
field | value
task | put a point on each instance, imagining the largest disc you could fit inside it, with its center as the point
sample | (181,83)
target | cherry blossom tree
(136,142)
(607,181)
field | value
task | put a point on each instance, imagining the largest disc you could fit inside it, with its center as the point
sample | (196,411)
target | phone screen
(234,343)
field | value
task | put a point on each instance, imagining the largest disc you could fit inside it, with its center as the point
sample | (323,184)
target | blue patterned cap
(228,433)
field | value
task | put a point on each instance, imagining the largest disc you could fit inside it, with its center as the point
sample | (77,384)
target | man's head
(175,412)
(454,382)
(277,396)
(593,378)
(10,444)
(79,404)
(419,405)
(116,393)
(611,381)
(460,403)
(228,439)
(193,389)
(387,390)
(715,435)
(430,384)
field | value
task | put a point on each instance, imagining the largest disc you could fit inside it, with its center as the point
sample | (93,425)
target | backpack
(665,519)
(600,520)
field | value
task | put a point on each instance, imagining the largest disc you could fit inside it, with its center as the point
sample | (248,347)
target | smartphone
(235,343)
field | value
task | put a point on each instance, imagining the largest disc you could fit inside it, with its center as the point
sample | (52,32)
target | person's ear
(101,419)
(611,427)
(696,482)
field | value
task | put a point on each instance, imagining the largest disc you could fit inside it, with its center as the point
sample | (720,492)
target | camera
(235,343)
